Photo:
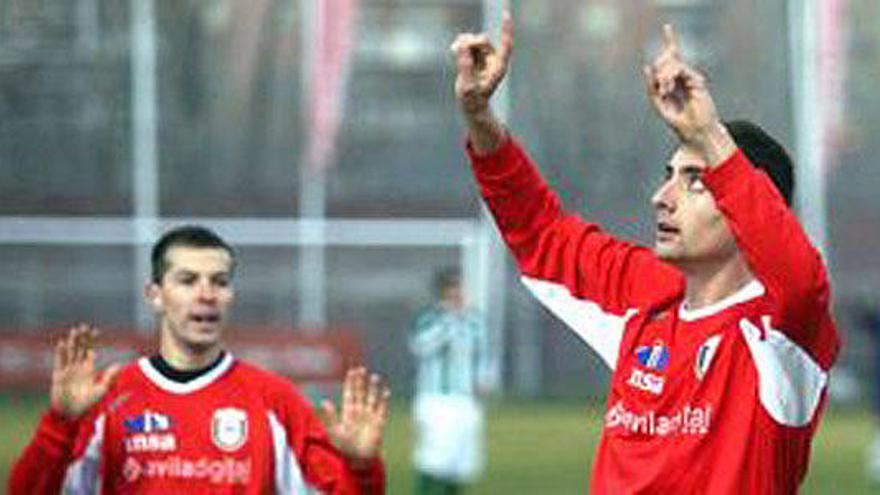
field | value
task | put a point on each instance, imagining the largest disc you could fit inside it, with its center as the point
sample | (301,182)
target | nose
(663,198)
(206,292)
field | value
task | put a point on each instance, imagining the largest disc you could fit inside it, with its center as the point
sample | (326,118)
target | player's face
(453,297)
(194,296)
(690,229)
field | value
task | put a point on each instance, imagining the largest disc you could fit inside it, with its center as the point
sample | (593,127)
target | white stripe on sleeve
(83,476)
(600,330)
(288,475)
(790,382)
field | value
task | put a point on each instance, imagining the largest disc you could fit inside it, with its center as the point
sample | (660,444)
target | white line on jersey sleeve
(84,475)
(600,330)
(790,382)
(288,475)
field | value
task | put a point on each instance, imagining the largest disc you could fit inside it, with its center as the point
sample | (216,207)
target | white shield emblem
(229,428)
(705,354)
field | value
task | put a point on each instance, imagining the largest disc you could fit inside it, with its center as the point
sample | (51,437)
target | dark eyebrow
(190,273)
(692,170)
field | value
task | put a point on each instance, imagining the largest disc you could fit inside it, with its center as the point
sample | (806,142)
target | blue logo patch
(148,422)
(653,357)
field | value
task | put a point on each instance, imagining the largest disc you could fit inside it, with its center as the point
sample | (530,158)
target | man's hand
(76,385)
(680,94)
(480,68)
(358,428)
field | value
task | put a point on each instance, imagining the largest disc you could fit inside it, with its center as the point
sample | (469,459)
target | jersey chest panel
(212,438)
(671,375)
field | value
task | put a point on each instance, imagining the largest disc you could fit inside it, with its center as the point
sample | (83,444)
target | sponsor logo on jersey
(148,422)
(226,470)
(649,382)
(151,442)
(149,432)
(653,357)
(705,354)
(229,428)
(689,420)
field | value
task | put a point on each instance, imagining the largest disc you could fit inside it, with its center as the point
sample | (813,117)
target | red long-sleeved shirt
(236,429)
(723,399)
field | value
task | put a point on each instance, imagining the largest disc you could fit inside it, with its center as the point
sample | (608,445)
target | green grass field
(538,448)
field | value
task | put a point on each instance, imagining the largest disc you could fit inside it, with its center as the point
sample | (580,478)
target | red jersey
(723,399)
(234,430)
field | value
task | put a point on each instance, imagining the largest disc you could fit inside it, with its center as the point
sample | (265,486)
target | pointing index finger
(506,36)
(670,39)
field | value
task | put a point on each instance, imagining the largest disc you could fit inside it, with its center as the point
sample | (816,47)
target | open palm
(357,429)
(76,385)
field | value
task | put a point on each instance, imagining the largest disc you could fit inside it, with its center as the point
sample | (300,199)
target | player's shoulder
(268,382)
(129,375)
(249,371)
(755,303)
(129,381)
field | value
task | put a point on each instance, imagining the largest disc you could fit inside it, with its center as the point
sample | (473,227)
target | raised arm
(767,233)
(352,463)
(76,388)
(548,244)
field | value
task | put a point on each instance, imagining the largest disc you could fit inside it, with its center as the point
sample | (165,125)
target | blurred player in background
(192,418)
(870,321)
(449,342)
(720,338)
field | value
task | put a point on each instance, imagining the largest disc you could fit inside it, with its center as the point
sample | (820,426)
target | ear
(153,295)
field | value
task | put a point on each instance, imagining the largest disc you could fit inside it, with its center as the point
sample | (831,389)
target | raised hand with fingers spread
(194,403)
(357,429)
(680,94)
(76,384)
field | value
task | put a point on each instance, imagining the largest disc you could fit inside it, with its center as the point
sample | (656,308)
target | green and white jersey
(451,351)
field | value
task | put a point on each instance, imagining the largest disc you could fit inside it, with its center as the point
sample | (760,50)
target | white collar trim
(751,290)
(201,382)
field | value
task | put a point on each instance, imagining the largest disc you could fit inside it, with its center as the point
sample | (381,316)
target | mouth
(666,230)
(205,318)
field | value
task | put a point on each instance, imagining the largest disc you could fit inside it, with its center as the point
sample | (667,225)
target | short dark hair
(186,236)
(446,278)
(765,153)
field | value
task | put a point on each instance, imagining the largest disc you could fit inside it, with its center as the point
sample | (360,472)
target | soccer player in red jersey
(720,338)
(192,418)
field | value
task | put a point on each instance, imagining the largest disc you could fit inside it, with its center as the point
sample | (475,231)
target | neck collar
(155,372)
(751,290)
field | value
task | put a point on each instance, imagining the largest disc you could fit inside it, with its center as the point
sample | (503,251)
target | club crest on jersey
(653,357)
(229,428)
(705,354)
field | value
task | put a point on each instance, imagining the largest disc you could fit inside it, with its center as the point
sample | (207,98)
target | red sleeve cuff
(370,474)
(368,466)
(721,179)
(57,432)
(737,175)
(495,161)
(58,422)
